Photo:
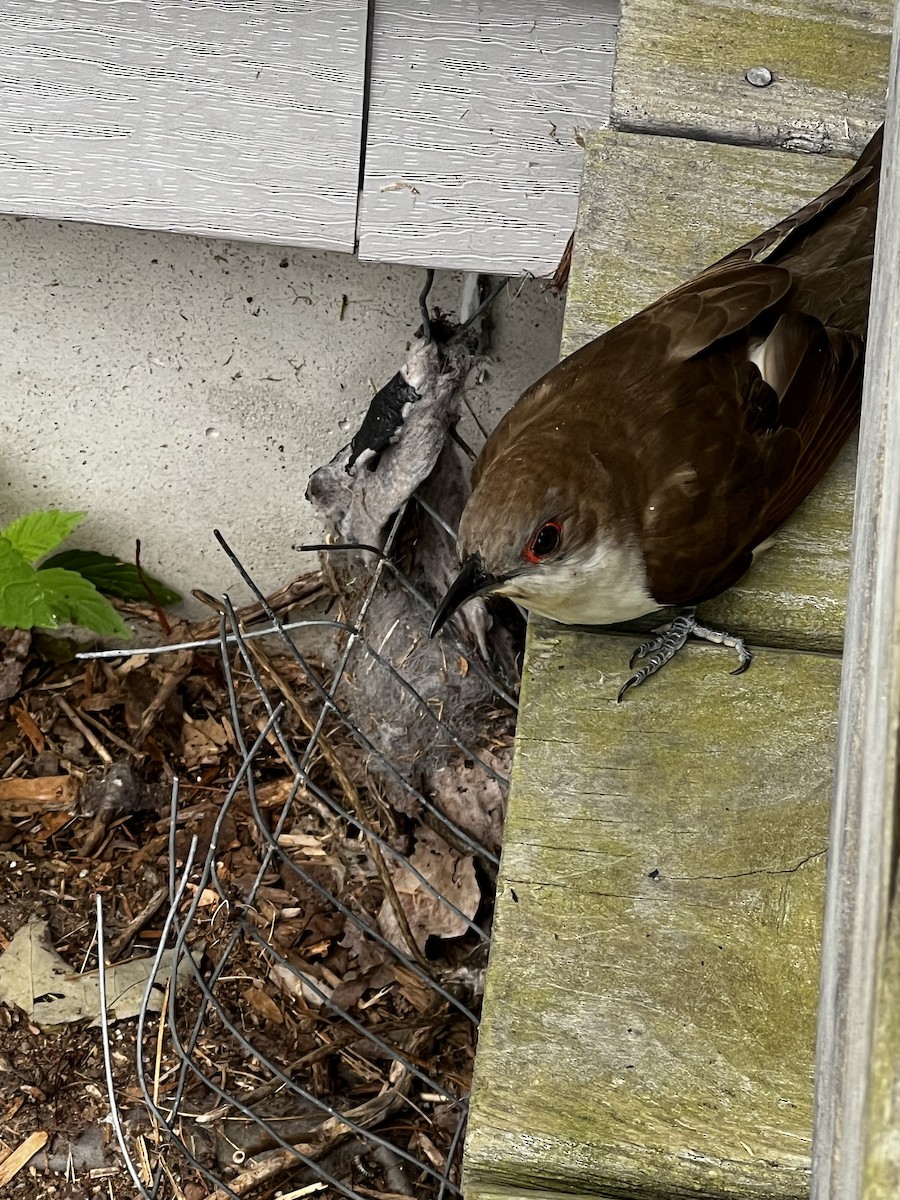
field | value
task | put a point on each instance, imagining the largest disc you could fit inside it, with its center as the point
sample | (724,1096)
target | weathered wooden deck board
(694,202)
(231,119)
(650,1028)
(682,69)
(473,155)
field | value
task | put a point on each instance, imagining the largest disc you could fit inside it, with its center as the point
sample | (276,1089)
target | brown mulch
(88,753)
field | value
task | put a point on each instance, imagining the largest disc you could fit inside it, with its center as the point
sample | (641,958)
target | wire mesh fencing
(328,916)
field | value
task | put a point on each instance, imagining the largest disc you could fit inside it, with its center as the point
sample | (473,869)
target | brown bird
(645,469)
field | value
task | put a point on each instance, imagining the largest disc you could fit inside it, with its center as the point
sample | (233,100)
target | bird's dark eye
(543,542)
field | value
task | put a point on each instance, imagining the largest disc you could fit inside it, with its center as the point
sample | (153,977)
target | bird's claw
(662,648)
(667,642)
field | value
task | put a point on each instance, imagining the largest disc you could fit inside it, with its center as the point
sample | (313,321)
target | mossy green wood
(682,68)
(517,1193)
(653,212)
(649,1020)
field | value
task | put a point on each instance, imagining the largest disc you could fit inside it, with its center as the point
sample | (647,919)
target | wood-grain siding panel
(477,112)
(226,117)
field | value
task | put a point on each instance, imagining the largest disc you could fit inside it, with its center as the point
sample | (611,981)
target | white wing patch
(762,356)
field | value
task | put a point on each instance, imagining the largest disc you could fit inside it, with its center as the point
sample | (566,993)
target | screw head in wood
(759,76)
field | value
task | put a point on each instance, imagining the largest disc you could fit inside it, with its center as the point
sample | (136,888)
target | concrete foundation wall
(171,384)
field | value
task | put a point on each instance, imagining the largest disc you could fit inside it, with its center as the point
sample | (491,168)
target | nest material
(402,451)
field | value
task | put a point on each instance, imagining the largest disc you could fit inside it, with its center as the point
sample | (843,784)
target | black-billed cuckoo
(645,469)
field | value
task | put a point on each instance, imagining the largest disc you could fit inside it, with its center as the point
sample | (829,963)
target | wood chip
(21,796)
(29,727)
(22,1155)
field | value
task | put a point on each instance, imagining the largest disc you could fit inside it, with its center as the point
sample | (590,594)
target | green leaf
(37,533)
(22,602)
(112,576)
(75,600)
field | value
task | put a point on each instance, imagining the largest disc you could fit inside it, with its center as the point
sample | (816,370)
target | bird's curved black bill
(472,580)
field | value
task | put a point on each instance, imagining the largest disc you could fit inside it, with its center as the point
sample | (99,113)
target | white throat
(606,585)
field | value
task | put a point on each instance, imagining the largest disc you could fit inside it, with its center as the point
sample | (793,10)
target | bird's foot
(660,649)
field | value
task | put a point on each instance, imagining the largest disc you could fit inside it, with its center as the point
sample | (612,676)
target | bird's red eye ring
(543,542)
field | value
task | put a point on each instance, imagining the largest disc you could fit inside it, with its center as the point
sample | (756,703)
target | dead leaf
(364,949)
(204,742)
(451,875)
(264,1004)
(37,980)
(472,799)
(350,989)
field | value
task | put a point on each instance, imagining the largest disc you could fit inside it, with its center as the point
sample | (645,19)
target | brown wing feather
(758,474)
(678,326)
